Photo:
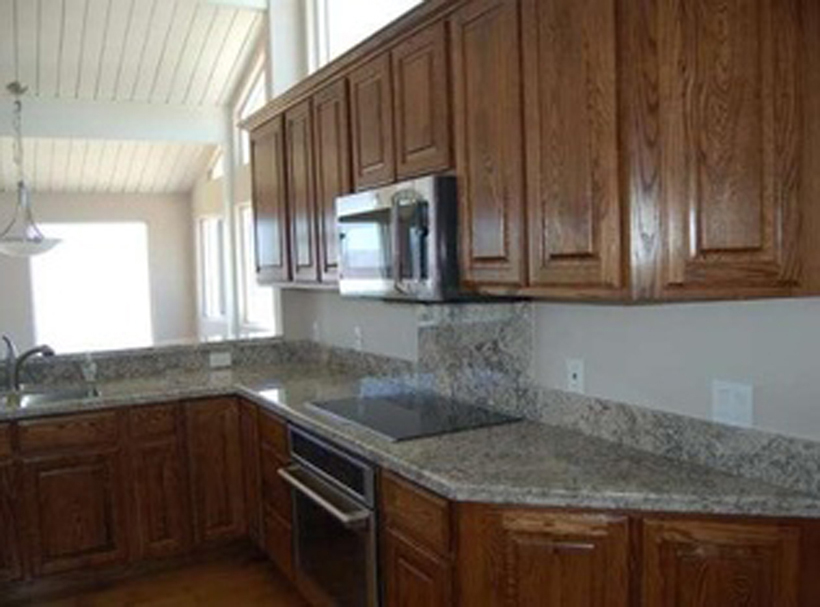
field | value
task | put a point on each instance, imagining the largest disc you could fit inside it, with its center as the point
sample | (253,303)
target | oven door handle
(352,519)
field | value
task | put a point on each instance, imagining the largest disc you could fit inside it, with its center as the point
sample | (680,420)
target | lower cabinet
(413,574)
(275,493)
(539,557)
(705,564)
(217,485)
(161,525)
(75,505)
(10,565)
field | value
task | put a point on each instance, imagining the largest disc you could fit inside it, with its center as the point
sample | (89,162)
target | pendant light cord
(18,138)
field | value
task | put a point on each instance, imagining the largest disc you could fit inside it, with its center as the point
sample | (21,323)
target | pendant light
(22,237)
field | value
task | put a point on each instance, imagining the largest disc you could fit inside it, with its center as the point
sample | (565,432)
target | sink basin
(32,398)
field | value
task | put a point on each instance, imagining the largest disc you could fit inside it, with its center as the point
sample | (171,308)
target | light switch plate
(220,360)
(733,403)
(575,375)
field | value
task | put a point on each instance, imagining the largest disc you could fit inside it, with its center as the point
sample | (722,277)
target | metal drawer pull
(354,519)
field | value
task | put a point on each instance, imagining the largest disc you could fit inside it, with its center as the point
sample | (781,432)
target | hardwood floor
(249,581)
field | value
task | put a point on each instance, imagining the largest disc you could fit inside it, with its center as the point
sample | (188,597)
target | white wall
(170,251)
(663,357)
(388,329)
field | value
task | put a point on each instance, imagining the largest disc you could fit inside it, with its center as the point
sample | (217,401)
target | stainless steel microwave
(400,241)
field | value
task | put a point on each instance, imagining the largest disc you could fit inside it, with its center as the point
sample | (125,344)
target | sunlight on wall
(92,292)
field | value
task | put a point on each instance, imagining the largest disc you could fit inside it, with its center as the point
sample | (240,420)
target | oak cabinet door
(332,151)
(75,511)
(422,115)
(574,202)
(301,193)
(10,564)
(270,202)
(730,137)
(216,469)
(414,575)
(545,559)
(695,564)
(486,68)
(249,423)
(162,508)
(371,122)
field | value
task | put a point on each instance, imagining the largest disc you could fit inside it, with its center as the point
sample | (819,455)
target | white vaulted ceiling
(164,65)
(111,167)
(186,52)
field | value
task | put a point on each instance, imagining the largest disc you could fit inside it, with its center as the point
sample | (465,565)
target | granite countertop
(519,463)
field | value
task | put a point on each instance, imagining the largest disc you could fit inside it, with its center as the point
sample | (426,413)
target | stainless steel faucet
(15,362)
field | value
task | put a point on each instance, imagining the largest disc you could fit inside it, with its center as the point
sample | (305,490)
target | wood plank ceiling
(171,52)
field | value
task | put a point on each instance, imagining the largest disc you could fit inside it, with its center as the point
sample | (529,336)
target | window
(93,292)
(211,268)
(342,24)
(256,302)
(254,100)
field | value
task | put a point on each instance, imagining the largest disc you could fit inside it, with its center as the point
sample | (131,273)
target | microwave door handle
(351,520)
(396,252)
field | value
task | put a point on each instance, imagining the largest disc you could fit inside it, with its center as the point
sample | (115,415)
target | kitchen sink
(32,398)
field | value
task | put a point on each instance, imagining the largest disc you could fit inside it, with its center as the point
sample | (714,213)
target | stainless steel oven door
(334,540)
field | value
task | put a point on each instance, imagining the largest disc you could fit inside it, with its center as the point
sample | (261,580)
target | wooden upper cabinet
(371,121)
(543,558)
(332,155)
(270,202)
(422,103)
(301,193)
(75,507)
(699,564)
(216,469)
(730,134)
(574,202)
(486,68)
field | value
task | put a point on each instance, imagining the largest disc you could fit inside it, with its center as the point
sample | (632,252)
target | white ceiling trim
(109,120)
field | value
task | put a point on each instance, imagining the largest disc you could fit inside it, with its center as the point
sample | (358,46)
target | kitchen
(511,303)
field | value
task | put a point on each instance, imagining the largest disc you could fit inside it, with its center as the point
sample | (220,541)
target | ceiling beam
(254,5)
(115,121)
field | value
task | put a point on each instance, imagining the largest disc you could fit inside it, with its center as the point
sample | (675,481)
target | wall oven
(334,521)
(400,241)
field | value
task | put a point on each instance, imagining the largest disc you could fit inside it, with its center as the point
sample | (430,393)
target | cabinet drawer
(274,433)
(275,492)
(153,422)
(5,441)
(421,515)
(70,431)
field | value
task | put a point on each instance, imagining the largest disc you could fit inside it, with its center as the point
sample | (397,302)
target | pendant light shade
(22,237)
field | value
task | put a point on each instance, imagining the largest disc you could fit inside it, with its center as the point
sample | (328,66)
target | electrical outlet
(733,403)
(220,360)
(358,339)
(317,331)
(575,375)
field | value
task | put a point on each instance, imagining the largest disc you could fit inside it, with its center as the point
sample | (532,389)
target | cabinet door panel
(301,193)
(693,564)
(270,202)
(75,510)
(730,129)
(545,559)
(161,498)
(422,103)
(249,419)
(413,575)
(216,470)
(10,564)
(371,116)
(572,144)
(331,129)
(489,156)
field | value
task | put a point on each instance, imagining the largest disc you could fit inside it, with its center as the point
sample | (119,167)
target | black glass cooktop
(413,415)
